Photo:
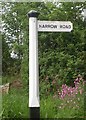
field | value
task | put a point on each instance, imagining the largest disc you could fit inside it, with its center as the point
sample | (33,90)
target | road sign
(55,26)
(34,27)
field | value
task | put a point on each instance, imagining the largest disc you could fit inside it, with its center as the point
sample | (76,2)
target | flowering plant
(72,91)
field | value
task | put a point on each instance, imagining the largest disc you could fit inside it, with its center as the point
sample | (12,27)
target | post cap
(33,13)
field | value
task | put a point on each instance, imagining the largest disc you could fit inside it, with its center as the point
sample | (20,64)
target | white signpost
(55,26)
(34,27)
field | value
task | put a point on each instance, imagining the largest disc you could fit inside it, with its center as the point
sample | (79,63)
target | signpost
(33,66)
(55,26)
(34,27)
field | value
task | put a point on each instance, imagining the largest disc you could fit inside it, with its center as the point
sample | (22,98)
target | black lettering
(40,26)
(51,26)
(65,26)
(55,26)
(43,26)
(69,26)
(48,26)
(61,26)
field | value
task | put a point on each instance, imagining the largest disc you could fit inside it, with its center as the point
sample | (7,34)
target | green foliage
(67,108)
(15,104)
(61,64)
(61,55)
(72,107)
(47,109)
(5,55)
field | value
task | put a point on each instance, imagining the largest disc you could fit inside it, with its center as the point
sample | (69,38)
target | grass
(56,108)
(15,105)
(47,108)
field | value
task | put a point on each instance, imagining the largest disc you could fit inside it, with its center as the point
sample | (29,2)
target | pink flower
(71,91)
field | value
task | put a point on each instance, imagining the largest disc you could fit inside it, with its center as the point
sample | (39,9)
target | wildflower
(54,96)
(77,106)
(78,99)
(60,107)
(71,91)
(61,103)
(67,101)
(74,102)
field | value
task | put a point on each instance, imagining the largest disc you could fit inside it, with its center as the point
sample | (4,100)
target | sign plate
(55,26)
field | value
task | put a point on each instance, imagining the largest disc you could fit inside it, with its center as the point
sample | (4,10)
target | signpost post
(33,66)
(34,27)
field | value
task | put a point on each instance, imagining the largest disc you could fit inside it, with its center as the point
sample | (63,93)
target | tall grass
(67,108)
(15,105)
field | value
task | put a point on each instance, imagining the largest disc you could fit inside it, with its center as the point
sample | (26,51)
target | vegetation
(61,58)
(15,104)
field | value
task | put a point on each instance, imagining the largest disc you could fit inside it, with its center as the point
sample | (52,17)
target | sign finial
(33,13)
